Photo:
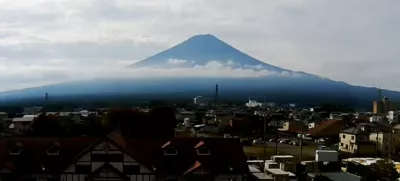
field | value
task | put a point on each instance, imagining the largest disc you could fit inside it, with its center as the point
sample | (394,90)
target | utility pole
(390,144)
(264,134)
(377,144)
(276,137)
(301,141)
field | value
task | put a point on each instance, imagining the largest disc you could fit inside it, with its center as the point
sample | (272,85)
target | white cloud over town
(47,41)
(54,71)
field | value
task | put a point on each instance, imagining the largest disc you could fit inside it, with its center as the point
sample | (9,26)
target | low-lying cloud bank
(14,75)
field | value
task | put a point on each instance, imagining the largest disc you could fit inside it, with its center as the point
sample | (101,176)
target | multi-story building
(121,159)
(384,141)
(383,106)
(356,141)
(253,103)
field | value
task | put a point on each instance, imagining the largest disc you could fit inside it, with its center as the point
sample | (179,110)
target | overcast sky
(47,41)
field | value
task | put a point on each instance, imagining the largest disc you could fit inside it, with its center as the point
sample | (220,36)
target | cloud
(57,70)
(176,61)
(354,41)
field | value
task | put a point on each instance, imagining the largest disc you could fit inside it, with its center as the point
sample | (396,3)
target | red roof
(327,127)
(224,153)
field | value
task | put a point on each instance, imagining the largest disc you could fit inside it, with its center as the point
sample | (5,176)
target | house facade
(292,126)
(21,125)
(121,159)
(384,141)
(356,141)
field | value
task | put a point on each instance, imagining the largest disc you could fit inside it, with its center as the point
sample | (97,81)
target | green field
(308,151)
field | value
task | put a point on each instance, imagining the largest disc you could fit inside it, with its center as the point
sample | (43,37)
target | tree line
(158,122)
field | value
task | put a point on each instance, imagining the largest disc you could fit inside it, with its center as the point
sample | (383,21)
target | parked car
(258,142)
(272,140)
(323,147)
(285,141)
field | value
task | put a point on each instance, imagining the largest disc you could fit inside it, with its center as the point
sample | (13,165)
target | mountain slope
(199,51)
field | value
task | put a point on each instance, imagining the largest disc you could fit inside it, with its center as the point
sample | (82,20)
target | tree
(382,170)
(199,116)
(163,122)
(159,122)
(46,126)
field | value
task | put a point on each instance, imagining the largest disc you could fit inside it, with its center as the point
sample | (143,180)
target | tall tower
(216,95)
(46,97)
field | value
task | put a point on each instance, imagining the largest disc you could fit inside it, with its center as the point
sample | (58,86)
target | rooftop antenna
(380,93)
(46,98)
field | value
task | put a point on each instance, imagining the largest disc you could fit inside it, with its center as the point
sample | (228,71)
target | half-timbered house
(118,158)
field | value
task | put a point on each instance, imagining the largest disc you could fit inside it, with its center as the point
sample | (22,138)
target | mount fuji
(246,77)
(202,49)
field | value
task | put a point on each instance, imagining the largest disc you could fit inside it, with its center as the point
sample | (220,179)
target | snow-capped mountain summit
(204,50)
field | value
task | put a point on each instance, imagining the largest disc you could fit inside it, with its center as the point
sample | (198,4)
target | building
(383,106)
(3,115)
(327,128)
(382,141)
(21,125)
(115,157)
(185,114)
(393,116)
(32,110)
(356,141)
(253,103)
(201,101)
(313,125)
(293,126)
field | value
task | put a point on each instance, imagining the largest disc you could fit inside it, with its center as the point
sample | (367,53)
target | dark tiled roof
(33,156)
(226,155)
(354,130)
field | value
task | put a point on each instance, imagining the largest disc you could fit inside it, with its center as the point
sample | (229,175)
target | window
(107,157)
(83,169)
(98,157)
(15,151)
(203,150)
(341,144)
(53,150)
(131,169)
(170,150)
(352,137)
(115,157)
(347,146)
(344,136)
